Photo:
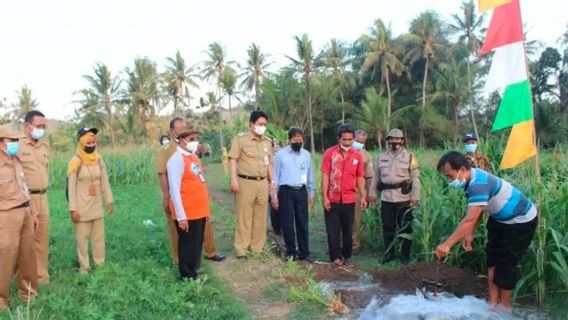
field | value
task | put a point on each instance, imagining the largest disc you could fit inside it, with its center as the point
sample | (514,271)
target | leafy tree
(255,71)
(178,78)
(142,92)
(25,104)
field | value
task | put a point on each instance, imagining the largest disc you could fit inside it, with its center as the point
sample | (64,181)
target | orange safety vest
(194,194)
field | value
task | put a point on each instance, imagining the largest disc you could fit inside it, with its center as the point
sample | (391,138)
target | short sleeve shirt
(503,201)
(253,156)
(343,170)
(163,157)
(35,160)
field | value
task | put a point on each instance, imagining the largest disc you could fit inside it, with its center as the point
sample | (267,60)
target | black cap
(81,132)
(469,136)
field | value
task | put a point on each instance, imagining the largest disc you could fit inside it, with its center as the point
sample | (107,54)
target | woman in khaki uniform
(88,184)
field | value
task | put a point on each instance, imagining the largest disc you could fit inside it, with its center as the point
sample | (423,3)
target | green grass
(138,280)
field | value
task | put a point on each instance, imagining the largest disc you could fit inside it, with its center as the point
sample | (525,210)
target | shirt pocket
(401,170)
(384,169)
(7,185)
(249,152)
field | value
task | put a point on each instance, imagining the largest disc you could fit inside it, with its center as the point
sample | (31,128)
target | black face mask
(296,146)
(89,149)
(395,145)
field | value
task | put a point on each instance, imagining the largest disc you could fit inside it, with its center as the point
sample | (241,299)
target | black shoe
(242,258)
(347,262)
(309,258)
(386,259)
(216,258)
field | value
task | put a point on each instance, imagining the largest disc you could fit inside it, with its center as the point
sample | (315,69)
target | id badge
(355,162)
(92,190)
(304,178)
(201,177)
(266,162)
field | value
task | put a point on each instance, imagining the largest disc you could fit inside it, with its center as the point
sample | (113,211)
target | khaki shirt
(89,207)
(395,167)
(253,156)
(163,156)
(368,164)
(35,160)
(478,160)
(13,188)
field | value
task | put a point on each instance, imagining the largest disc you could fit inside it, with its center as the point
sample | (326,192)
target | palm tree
(427,43)
(335,59)
(467,26)
(178,79)
(25,104)
(305,64)
(105,88)
(256,70)
(382,55)
(215,65)
(373,115)
(228,83)
(142,91)
(90,111)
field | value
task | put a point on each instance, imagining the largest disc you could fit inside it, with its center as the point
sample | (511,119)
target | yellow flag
(485,5)
(520,146)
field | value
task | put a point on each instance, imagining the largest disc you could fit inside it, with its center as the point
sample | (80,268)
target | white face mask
(38,133)
(260,130)
(192,146)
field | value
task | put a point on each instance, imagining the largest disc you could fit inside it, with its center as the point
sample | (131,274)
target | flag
(508,75)
(485,5)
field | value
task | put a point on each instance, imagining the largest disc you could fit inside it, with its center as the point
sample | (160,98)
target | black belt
(23,205)
(38,191)
(293,188)
(250,178)
(388,186)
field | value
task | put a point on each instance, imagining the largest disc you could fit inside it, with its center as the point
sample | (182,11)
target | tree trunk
(109,119)
(230,112)
(342,106)
(424,101)
(387,79)
(256,93)
(456,122)
(471,98)
(379,136)
(310,115)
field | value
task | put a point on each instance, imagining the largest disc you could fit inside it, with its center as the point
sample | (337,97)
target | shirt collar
(184,152)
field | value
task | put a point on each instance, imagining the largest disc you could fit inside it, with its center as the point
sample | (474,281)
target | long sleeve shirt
(89,205)
(293,169)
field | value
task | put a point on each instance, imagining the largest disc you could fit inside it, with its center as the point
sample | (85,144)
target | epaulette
(242,134)
(413,162)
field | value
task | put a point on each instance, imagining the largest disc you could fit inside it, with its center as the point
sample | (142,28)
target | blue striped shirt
(293,169)
(502,201)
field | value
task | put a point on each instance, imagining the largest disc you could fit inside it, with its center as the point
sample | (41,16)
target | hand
(442,250)
(363,204)
(272,188)
(234,186)
(35,223)
(326,204)
(414,203)
(372,201)
(467,242)
(109,208)
(166,204)
(75,216)
(275,203)
(312,202)
(183,225)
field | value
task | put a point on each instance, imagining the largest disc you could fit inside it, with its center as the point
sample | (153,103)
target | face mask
(457,183)
(260,130)
(470,148)
(345,148)
(12,148)
(358,145)
(192,146)
(296,146)
(395,145)
(38,133)
(90,149)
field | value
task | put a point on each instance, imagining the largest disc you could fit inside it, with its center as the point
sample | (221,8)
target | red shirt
(343,169)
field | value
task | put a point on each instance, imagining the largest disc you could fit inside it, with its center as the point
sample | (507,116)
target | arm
(415,193)
(324,188)
(373,185)
(362,184)
(234,181)
(311,186)
(163,177)
(466,227)
(72,194)
(107,193)
(175,174)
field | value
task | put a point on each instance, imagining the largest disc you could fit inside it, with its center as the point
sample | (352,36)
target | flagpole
(536,157)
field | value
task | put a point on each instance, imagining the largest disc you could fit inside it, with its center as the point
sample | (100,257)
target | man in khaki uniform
(17,223)
(359,144)
(251,177)
(34,155)
(178,125)
(398,178)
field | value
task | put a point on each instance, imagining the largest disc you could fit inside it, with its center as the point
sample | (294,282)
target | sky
(50,44)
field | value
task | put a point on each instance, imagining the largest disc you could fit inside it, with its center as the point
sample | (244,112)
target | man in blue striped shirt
(510,228)
(294,180)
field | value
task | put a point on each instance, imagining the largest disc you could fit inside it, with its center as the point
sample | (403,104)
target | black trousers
(293,211)
(190,246)
(339,227)
(396,215)
(274,218)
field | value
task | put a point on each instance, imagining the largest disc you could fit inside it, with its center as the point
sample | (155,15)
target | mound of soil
(454,280)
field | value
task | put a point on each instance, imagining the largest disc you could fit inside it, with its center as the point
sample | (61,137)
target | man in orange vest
(189,202)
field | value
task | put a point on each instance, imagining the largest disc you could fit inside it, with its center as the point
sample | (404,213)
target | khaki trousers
(94,230)
(41,238)
(357,225)
(17,255)
(209,248)
(250,230)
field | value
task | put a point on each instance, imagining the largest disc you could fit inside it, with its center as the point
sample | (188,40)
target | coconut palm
(90,111)
(106,90)
(25,104)
(373,115)
(467,25)
(215,65)
(255,71)
(305,64)
(382,56)
(142,91)
(335,59)
(179,77)
(228,85)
